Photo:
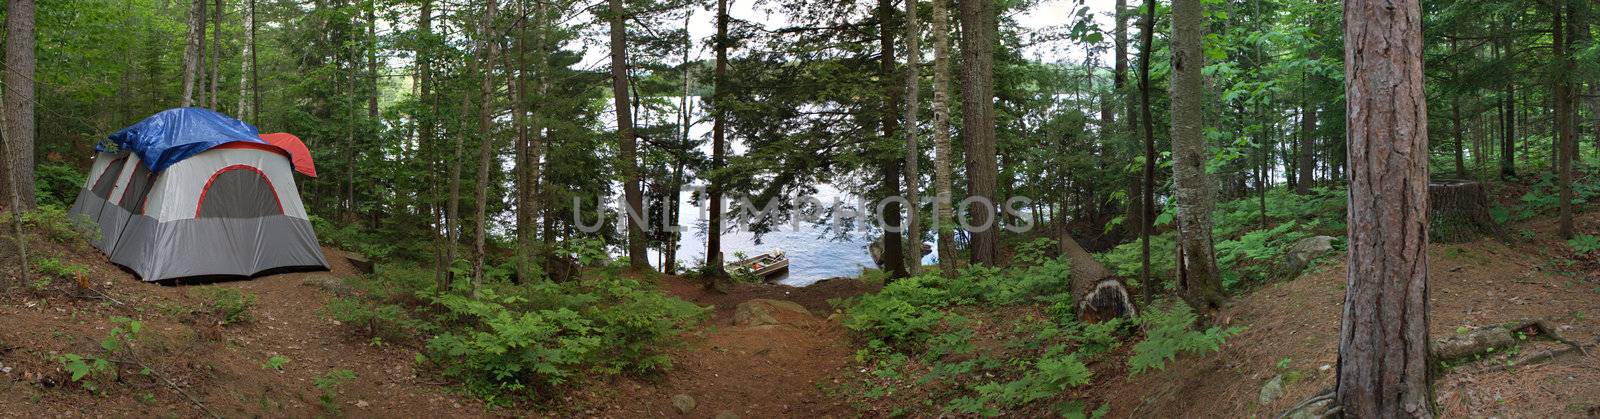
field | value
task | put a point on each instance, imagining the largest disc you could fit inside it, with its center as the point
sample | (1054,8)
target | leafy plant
(275,363)
(229,305)
(1169,332)
(86,370)
(329,383)
(1584,244)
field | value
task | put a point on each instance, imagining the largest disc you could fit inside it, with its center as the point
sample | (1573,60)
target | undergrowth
(515,343)
(990,341)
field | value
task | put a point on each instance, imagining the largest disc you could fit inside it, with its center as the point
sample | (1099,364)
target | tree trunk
(425,141)
(978,36)
(1458,212)
(1508,144)
(714,271)
(191,50)
(19,100)
(200,65)
(528,140)
(1565,115)
(1308,147)
(1383,347)
(893,242)
(638,258)
(9,150)
(1199,281)
(216,51)
(913,251)
(247,61)
(944,221)
(491,47)
(1147,121)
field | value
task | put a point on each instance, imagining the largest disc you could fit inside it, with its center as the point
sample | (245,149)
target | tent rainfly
(189,192)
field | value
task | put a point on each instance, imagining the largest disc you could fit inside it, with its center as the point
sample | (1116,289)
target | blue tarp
(175,134)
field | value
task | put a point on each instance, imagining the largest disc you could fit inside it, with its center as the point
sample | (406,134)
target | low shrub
(230,306)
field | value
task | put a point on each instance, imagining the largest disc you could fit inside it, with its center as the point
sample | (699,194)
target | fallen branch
(1497,337)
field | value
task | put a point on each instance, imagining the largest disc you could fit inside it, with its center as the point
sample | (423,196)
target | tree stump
(359,261)
(1458,212)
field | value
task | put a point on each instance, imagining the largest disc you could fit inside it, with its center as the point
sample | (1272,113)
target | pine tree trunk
(1565,115)
(491,47)
(978,36)
(200,65)
(1308,147)
(638,258)
(719,76)
(191,50)
(893,243)
(1198,278)
(944,221)
(1383,347)
(529,147)
(1508,144)
(913,251)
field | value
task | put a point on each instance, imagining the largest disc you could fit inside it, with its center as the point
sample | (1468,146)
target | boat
(876,250)
(765,266)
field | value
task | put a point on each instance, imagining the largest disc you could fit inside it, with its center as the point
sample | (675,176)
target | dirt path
(750,372)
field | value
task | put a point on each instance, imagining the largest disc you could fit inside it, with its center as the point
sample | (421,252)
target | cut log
(1458,212)
(359,261)
(1097,293)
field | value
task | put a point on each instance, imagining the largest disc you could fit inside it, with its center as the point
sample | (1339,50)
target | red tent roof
(299,156)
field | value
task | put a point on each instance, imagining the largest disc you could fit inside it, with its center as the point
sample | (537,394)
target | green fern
(1168,332)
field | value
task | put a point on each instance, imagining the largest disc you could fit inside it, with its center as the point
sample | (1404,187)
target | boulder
(761,312)
(683,403)
(1304,251)
(1272,390)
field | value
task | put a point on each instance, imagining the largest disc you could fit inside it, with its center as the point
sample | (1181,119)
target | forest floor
(221,366)
(1293,332)
(788,370)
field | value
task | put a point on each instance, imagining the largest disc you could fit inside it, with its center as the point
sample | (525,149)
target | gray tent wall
(226,211)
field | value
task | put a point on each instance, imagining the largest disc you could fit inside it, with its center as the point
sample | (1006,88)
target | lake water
(816,251)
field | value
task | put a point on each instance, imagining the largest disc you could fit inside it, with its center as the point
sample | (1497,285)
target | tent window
(108,179)
(138,188)
(238,191)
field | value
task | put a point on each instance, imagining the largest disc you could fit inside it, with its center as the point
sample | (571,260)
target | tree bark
(978,36)
(216,51)
(1565,115)
(1383,346)
(9,149)
(247,61)
(490,46)
(1508,145)
(893,243)
(1308,147)
(913,252)
(714,270)
(1147,284)
(1199,281)
(191,50)
(19,100)
(943,204)
(638,258)
(528,140)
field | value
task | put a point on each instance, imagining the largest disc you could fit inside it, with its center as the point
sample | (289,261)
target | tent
(189,192)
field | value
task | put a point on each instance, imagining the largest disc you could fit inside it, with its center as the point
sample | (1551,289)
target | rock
(329,283)
(359,261)
(727,414)
(684,403)
(1304,251)
(760,312)
(1272,391)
